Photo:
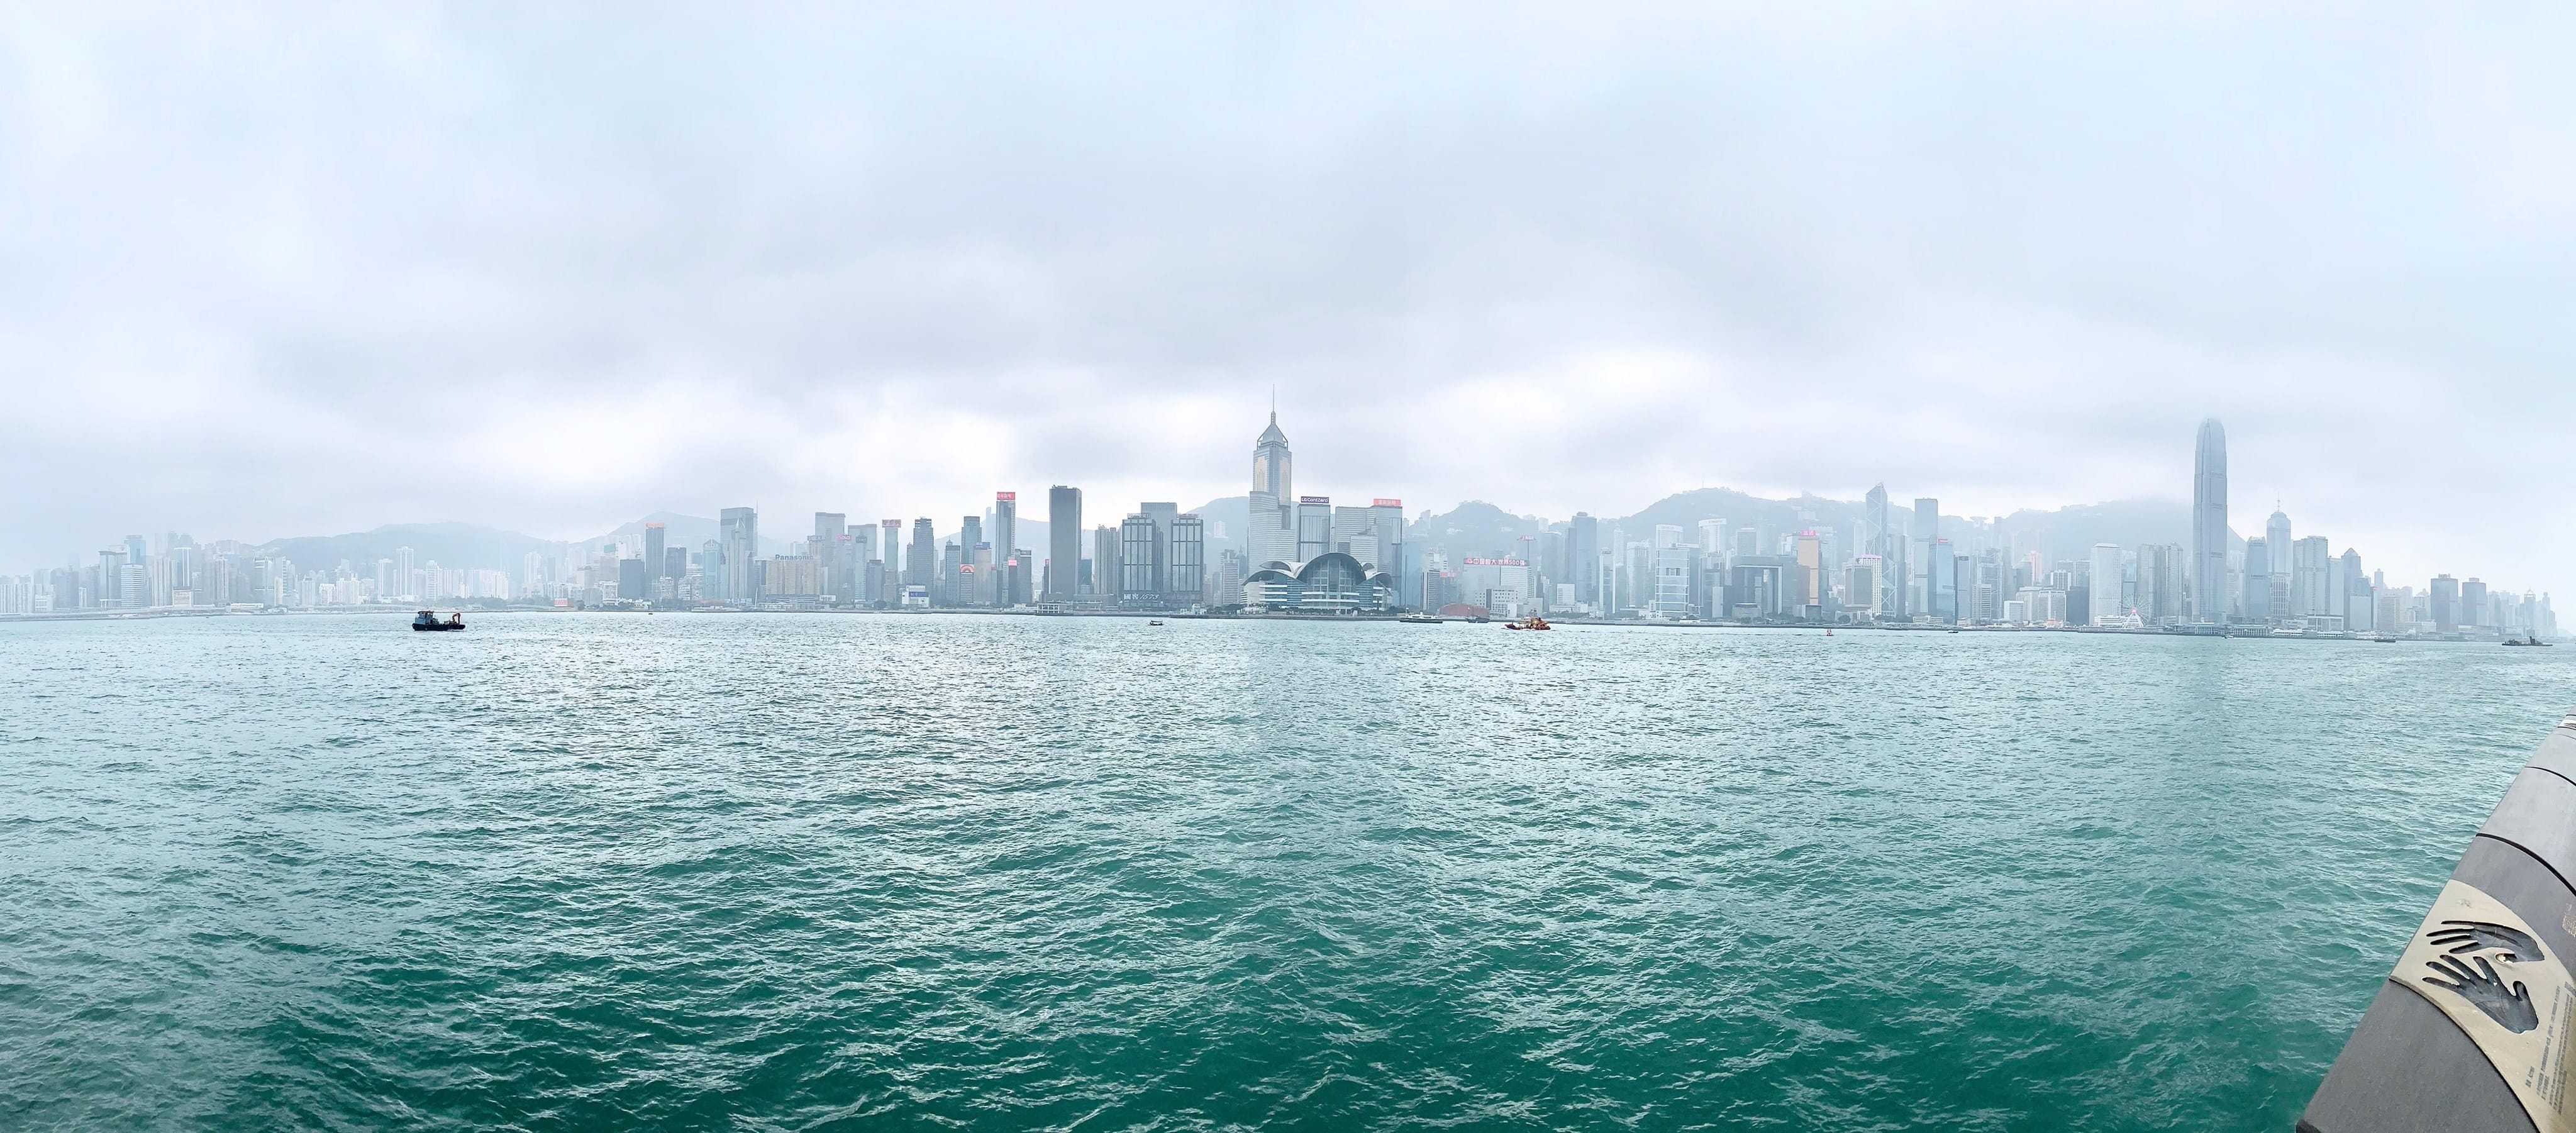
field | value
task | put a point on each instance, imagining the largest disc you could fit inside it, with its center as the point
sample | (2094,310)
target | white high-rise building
(2209,591)
(2106,583)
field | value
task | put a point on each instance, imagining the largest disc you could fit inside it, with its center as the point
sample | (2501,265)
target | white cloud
(889,261)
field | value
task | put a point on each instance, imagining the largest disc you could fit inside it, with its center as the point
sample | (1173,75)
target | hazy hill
(1686,509)
(1474,529)
(1482,529)
(693,532)
(454,545)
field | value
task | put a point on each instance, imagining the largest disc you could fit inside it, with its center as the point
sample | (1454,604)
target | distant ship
(1531,622)
(1419,620)
(2534,639)
(428,620)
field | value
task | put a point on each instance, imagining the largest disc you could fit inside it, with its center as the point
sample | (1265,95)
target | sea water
(573,871)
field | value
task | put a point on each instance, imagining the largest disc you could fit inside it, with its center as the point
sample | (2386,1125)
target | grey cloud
(887,260)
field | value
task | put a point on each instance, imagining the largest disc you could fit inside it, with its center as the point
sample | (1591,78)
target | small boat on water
(1154,621)
(1531,622)
(2534,639)
(2383,639)
(428,620)
(1419,620)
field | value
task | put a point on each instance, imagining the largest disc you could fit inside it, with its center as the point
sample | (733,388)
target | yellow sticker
(2485,969)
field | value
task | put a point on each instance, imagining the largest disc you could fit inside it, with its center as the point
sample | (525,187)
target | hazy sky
(323,269)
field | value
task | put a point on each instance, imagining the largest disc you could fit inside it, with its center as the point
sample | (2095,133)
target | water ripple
(566,872)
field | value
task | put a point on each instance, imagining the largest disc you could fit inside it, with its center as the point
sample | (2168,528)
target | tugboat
(1531,622)
(2534,639)
(1419,620)
(427,620)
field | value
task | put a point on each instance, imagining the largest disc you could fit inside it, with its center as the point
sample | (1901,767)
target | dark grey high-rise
(1583,557)
(2209,524)
(919,568)
(1064,542)
(653,534)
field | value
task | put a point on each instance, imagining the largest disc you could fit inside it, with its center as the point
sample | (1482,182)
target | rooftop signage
(1386,503)
(1314,499)
(1005,497)
(1495,562)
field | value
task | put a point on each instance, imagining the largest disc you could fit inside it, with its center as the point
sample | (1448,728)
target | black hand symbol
(2481,986)
(2478,936)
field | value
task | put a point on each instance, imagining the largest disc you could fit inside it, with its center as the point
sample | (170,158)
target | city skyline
(2400,557)
(1297,552)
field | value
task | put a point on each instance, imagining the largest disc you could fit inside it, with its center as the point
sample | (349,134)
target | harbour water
(801,871)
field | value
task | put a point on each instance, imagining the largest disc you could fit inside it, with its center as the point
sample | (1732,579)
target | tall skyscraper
(1879,538)
(1874,521)
(2352,590)
(921,565)
(1272,519)
(2257,601)
(862,551)
(828,548)
(1105,569)
(1583,558)
(653,547)
(1270,472)
(738,530)
(2105,583)
(1185,568)
(1006,537)
(1386,519)
(1064,542)
(2310,571)
(1314,526)
(890,574)
(2209,524)
(1926,585)
(2277,547)
(1140,561)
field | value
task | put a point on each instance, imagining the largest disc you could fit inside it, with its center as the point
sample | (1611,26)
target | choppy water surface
(568,871)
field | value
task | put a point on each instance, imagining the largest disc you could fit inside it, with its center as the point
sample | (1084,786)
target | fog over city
(289,273)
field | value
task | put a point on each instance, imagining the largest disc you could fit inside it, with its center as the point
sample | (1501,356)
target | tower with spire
(1273,537)
(1270,461)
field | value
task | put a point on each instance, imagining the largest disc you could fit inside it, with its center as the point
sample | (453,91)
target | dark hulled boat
(428,620)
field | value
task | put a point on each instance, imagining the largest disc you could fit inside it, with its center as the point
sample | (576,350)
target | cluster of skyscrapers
(1911,565)
(177,572)
(1303,554)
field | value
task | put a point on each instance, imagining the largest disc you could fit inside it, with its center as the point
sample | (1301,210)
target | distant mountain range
(1477,528)
(1473,528)
(462,546)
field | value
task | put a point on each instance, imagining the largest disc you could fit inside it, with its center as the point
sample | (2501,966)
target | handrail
(2475,1029)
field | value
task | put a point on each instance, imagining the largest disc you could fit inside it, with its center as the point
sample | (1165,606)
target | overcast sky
(319,270)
